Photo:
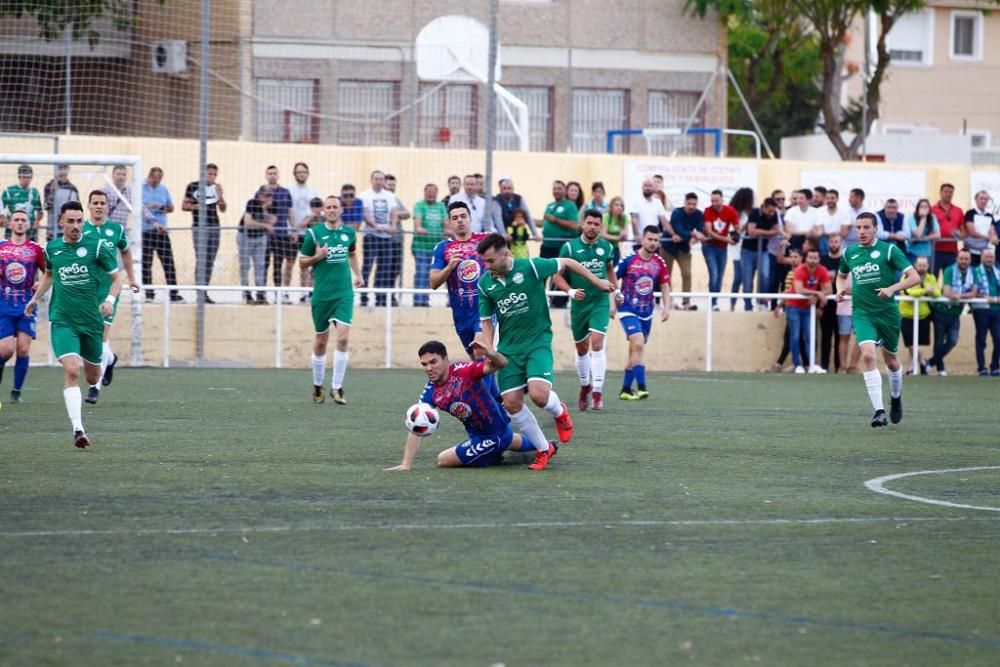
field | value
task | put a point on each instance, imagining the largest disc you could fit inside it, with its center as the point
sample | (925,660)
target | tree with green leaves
(54,16)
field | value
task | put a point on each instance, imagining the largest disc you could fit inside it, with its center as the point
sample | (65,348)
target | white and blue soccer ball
(422,419)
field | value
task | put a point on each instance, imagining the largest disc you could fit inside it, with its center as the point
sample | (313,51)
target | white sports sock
(528,427)
(553,407)
(319,369)
(896,383)
(873,383)
(599,367)
(74,405)
(583,369)
(106,356)
(339,369)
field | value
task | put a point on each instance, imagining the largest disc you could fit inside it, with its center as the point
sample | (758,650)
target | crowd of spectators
(781,243)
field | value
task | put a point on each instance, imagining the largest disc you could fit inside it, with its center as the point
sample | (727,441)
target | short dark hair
(70,206)
(478,175)
(651,229)
(717,192)
(562,183)
(792,250)
(347,186)
(811,249)
(858,191)
(946,185)
(458,204)
(210,165)
(300,164)
(113,169)
(768,201)
(807,192)
(25,170)
(593,213)
(376,171)
(867,216)
(390,177)
(833,191)
(454,178)
(433,347)
(270,167)
(890,200)
(492,241)
(316,201)
(691,195)
(595,185)
(820,189)
(93,193)
(965,250)
(262,190)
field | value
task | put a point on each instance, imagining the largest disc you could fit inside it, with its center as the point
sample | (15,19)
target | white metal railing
(707,297)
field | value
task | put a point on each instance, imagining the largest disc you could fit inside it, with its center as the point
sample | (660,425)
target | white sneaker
(799,370)
(943,373)
(817,370)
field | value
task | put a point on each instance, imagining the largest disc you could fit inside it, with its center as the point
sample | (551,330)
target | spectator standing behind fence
(793,260)
(481,215)
(830,260)
(800,219)
(315,216)
(855,207)
(830,219)
(302,194)
(647,211)
(561,224)
(381,222)
(396,244)
(743,203)
(819,197)
(119,195)
(892,227)
(686,223)
(762,226)
(928,287)
(813,280)
(951,222)
(616,226)
(353,208)
(987,315)
(57,192)
(428,230)
(598,197)
(660,193)
(924,232)
(720,221)
(205,237)
(958,282)
(156,204)
(21,196)
(518,235)
(574,193)
(257,222)
(979,226)
(282,251)
(509,203)
(776,245)
(454,187)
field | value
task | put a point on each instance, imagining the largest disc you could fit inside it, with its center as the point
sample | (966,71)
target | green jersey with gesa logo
(331,277)
(114,234)
(77,269)
(594,257)
(873,267)
(518,300)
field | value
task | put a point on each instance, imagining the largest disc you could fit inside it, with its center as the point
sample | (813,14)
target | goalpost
(98,177)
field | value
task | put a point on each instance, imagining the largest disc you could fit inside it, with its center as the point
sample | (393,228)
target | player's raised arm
(409,453)
(576,267)
(494,361)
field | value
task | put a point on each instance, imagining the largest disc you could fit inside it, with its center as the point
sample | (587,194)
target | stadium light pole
(200,253)
(68,91)
(491,106)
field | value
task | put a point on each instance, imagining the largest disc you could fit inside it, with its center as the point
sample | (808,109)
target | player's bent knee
(449,459)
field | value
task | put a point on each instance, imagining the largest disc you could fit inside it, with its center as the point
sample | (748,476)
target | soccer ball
(421,419)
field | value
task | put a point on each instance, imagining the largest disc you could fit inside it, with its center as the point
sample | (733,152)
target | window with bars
(286,110)
(362,111)
(539,101)
(595,112)
(667,109)
(447,118)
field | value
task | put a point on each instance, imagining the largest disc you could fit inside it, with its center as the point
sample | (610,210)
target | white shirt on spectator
(831,221)
(648,211)
(379,205)
(301,195)
(799,222)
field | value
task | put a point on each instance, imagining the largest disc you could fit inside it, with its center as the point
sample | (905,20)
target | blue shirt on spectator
(683,224)
(281,206)
(158,195)
(353,213)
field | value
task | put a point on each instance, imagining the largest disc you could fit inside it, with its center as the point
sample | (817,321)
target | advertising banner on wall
(683,176)
(906,186)
(989,181)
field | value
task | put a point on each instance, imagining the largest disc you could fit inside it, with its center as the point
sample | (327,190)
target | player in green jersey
(330,249)
(513,290)
(871,268)
(590,308)
(26,198)
(76,312)
(100,227)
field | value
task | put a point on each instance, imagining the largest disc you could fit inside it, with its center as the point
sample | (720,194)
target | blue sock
(640,376)
(20,372)
(629,377)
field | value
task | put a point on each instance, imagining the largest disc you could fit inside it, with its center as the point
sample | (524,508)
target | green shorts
(534,364)
(340,311)
(879,328)
(69,341)
(111,320)
(587,316)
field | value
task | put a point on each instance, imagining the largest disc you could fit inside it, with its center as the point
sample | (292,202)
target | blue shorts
(10,325)
(484,450)
(633,325)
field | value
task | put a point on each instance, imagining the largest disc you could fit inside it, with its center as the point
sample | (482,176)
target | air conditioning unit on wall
(169,56)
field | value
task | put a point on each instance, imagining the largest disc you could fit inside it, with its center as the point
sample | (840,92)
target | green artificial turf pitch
(221,518)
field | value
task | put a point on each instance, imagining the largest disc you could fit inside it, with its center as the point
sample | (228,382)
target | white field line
(878,486)
(818,521)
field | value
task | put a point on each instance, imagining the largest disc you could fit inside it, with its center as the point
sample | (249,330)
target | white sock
(106,356)
(74,405)
(896,383)
(599,367)
(319,369)
(873,383)
(553,407)
(583,369)
(339,369)
(528,427)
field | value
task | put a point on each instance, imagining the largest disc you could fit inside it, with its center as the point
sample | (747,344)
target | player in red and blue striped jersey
(21,261)
(464,391)
(457,263)
(639,275)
